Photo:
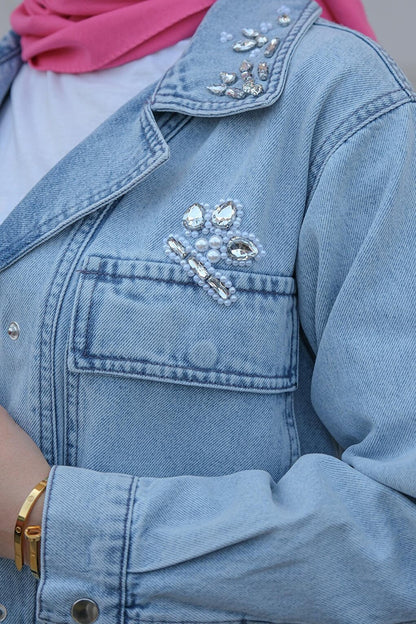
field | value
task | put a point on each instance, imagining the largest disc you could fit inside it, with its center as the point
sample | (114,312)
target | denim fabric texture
(212,464)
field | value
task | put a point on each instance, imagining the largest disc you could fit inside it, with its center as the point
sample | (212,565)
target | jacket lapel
(110,161)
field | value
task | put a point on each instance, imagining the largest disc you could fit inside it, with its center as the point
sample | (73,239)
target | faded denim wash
(221,464)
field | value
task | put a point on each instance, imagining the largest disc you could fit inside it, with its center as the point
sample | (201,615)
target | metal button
(14,332)
(3,613)
(85,611)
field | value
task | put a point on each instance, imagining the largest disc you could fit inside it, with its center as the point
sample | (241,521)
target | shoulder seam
(388,60)
(336,142)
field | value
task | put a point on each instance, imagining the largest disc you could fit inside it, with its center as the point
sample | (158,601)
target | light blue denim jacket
(212,463)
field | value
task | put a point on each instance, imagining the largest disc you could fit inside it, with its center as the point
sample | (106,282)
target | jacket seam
(114,358)
(98,273)
(44,576)
(337,144)
(362,115)
(388,61)
(125,550)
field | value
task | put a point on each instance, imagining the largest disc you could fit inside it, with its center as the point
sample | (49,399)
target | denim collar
(183,88)
(131,144)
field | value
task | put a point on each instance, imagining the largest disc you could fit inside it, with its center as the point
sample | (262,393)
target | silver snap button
(14,332)
(84,611)
(3,613)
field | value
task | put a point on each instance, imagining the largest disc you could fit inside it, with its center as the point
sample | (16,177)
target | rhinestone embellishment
(228,77)
(255,43)
(177,247)
(251,33)
(263,70)
(271,47)
(217,89)
(193,219)
(224,215)
(237,94)
(261,40)
(284,19)
(244,46)
(198,268)
(241,249)
(217,238)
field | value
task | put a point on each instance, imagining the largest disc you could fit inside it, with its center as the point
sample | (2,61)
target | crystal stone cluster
(254,42)
(212,235)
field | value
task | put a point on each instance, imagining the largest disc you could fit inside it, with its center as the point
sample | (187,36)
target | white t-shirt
(47,114)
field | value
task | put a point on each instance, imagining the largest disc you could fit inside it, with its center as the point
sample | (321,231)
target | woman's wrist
(34,518)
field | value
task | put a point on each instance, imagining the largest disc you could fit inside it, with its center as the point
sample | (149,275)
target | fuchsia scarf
(75,36)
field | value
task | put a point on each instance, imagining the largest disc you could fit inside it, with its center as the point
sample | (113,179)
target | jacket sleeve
(334,541)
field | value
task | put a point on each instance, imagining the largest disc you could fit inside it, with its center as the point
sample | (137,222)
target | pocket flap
(149,320)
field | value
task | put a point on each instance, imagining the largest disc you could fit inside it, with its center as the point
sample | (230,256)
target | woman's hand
(22,466)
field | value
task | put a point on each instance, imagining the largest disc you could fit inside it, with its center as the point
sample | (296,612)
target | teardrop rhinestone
(251,88)
(219,287)
(217,89)
(223,216)
(237,94)
(261,40)
(250,32)
(193,218)
(177,247)
(271,47)
(246,66)
(248,85)
(241,248)
(256,89)
(244,46)
(228,77)
(198,268)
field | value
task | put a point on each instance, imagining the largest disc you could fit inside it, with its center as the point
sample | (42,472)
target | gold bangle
(25,510)
(33,534)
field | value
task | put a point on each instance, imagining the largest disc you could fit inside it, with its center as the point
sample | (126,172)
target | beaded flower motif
(212,235)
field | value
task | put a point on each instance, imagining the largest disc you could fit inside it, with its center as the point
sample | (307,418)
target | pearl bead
(201,244)
(213,255)
(215,242)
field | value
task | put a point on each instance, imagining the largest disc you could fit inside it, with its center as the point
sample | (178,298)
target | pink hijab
(75,36)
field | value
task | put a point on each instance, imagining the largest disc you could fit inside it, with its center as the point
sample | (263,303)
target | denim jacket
(252,462)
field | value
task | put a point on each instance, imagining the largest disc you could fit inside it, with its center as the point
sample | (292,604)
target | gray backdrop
(394,28)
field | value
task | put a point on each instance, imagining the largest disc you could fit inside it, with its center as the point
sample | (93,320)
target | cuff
(84,547)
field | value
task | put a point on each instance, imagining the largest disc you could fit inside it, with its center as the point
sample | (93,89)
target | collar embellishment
(255,42)
(213,235)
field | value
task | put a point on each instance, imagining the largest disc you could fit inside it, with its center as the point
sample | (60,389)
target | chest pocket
(149,320)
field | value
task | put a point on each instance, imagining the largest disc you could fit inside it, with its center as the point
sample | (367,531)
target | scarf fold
(76,36)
